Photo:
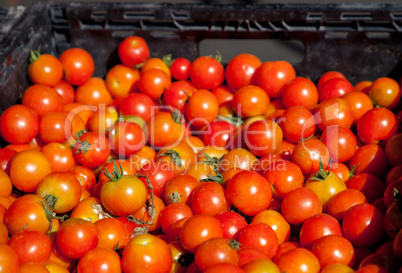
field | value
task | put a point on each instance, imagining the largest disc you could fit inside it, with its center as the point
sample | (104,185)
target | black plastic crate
(363,41)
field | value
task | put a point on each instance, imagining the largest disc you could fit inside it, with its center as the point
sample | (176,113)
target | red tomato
(250,100)
(44,69)
(64,187)
(363,87)
(284,176)
(273,77)
(85,176)
(231,222)
(202,108)
(328,76)
(172,213)
(92,149)
(249,192)
(344,200)
(148,253)
(308,154)
(331,249)
(5,184)
(93,92)
(340,141)
(180,69)
(334,111)
(6,155)
(392,150)
(61,158)
(215,251)
(276,221)
(334,88)
(206,72)
(19,124)
(42,99)
(224,268)
(297,123)
(165,128)
(369,158)
(298,260)
(121,80)
(9,261)
(31,246)
(66,91)
(240,70)
(98,260)
(217,133)
(363,225)
(153,83)
(178,94)
(112,233)
(133,50)
(370,185)
(138,104)
(126,138)
(78,65)
(75,237)
(377,124)
(158,175)
(198,229)
(299,205)
(318,226)
(359,102)
(300,92)
(209,199)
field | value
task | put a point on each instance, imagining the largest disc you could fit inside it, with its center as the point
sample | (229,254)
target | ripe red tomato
(328,76)
(334,88)
(273,77)
(359,102)
(121,80)
(392,150)
(217,133)
(183,185)
(66,91)
(138,104)
(6,155)
(78,65)
(180,69)
(126,138)
(19,124)
(5,184)
(112,234)
(377,124)
(42,99)
(76,237)
(44,69)
(215,251)
(202,108)
(343,201)
(297,123)
(385,92)
(249,192)
(61,158)
(298,260)
(231,222)
(340,141)
(9,261)
(368,184)
(99,259)
(165,128)
(308,154)
(206,72)
(240,70)
(93,92)
(148,253)
(363,225)
(276,221)
(172,213)
(133,50)
(31,246)
(85,176)
(209,199)
(369,158)
(299,205)
(178,94)
(334,111)
(92,149)
(250,100)
(158,174)
(198,229)
(300,92)
(153,82)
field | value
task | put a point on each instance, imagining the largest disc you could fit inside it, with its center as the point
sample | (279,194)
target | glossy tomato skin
(26,212)
(172,213)
(206,73)
(42,99)
(164,129)
(78,65)
(121,80)
(377,124)
(61,158)
(369,158)
(153,82)
(300,92)
(335,88)
(126,138)
(298,260)
(133,50)
(276,221)
(363,217)
(385,92)
(75,237)
(217,133)
(66,91)
(93,92)
(209,199)
(92,149)
(44,69)
(297,123)
(342,201)
(368,184)
(180,69)
(98,260)
(359,102)
(19,124)
(9,261)
(148,253)
(328,76)
(334,111)
(138,104)
(6,155)
(158,174)
(202,108)
(178,94)
(340,141)
(249,191)
(240,70)
(31,246)
(231,222)
(308,153)
(273,77)
(250,100)
(112,233)
(391,150)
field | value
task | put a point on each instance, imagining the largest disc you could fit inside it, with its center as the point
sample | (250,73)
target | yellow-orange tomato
(121,80)
(359,102)
(101,121)
(385,92)
(179,157)
(276,221)
(5,184)
(93,92)
(156,63)
(260,266)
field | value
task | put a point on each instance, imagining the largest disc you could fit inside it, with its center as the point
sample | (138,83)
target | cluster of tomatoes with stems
(172,165)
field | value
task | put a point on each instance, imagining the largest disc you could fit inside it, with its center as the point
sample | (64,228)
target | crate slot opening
(98,14)
(122,25)
(315,15)
(356,16)
(292,51)
(138,15)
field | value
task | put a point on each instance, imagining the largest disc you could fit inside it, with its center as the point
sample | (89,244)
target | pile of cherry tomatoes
(172,165)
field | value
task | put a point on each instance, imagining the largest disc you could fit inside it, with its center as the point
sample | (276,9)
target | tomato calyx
(236,121)
(174,197)
(168,60)
(398,198)
(34,55)
(352,170)
(84,146)
(177,116)
(48,206)
(174,155)
(116,174)
(217,57)
(235,245)
(321,174)
(214,162)
(80,133)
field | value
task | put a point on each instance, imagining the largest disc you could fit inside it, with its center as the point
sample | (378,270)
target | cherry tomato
(178,94)
(215,251)
(61,158)
(202,108)
(78,65)
(340,141)
(158,174)
(359,102)
(342,201)
(224,268)
(273,77)
(180,69)
(179,189)
(377,124)
(93,92)
(308,154)
(206,72)
(334,111)
(44,69)
(121,80)
(75,237)
(112,233)
(385,92)
(92,149)
(363,86)
(370,185)
(334,88)
(250,100)
(209,199)
(42,99)
(165,129)
(85,176)
(231,222)
(392,150)
(133,50)
(66,91)
(298,260)
(153,82)
(9,261)
(276,221)
(19,124)
(300,92)
(126,138)
(297,123)
(240,70)
(101,120)
(329,75)
(98,260)
(6,155)
(148,253)
(369,158)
